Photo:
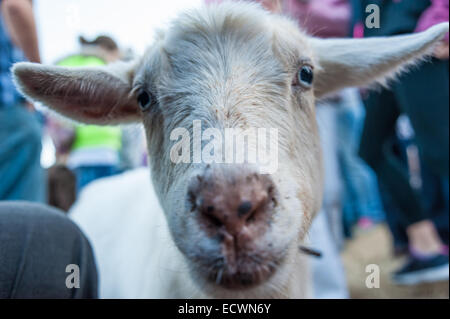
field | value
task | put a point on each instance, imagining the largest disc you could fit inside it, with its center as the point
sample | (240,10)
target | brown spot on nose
(235,202)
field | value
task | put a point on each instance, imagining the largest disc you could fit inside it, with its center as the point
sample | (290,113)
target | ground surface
(373,247)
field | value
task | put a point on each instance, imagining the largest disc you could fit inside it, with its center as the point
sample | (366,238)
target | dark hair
(61,187)
(103,41)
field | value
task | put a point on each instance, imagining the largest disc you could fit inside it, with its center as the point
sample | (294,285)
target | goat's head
(231,65)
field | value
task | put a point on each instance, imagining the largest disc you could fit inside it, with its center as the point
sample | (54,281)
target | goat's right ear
(95,95)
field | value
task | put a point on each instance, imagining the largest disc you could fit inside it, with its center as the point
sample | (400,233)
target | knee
(48,242)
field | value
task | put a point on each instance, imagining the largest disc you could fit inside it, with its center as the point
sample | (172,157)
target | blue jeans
(361,194)
(21,175)
(87,174)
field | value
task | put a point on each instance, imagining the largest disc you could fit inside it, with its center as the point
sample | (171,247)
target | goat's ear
(361,62)
(95,95)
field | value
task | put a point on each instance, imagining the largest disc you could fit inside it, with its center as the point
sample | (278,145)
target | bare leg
(423,238)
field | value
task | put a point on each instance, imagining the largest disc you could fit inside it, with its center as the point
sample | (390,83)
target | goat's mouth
(245,273)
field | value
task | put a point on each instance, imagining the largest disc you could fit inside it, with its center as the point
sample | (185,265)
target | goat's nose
(233,202)
(233,217)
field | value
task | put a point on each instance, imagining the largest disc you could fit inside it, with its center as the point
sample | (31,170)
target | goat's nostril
(213,220)
(244,208)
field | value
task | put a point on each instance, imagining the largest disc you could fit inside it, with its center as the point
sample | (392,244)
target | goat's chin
(272,285)
(245,277)
(250,277)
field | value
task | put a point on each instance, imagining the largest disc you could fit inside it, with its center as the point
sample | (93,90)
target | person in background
(428,114)
(434,197)
(91,151)
(21,175)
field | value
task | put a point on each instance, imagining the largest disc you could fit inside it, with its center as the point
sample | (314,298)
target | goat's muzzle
(235,206)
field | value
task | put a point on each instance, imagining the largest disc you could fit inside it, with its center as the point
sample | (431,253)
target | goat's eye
(145,100)
(305,76)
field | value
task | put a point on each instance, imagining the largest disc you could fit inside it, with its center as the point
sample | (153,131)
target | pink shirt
(324,18)
(436,13)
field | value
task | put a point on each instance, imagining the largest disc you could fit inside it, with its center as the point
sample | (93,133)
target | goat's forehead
(224,39)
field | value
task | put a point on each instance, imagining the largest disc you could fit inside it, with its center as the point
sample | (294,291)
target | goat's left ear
(95,95)
(360,62)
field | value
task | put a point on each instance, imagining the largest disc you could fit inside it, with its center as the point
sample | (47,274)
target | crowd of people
(386,151)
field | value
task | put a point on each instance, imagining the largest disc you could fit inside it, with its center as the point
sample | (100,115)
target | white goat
(231,231)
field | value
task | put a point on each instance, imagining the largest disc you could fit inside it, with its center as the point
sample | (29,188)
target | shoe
(420,270)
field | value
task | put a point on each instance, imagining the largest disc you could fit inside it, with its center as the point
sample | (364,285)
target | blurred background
(131,26)
(386,152)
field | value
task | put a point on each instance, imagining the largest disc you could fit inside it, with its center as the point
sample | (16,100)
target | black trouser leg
(377,149)
(423,96)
